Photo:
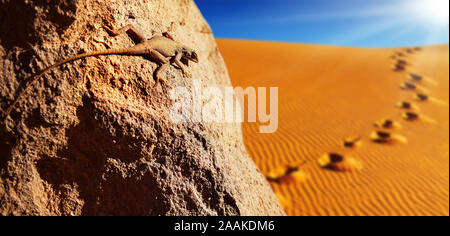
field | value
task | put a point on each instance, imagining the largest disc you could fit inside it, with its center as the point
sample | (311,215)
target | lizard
(160,49)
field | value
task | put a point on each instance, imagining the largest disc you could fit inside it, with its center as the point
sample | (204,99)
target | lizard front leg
(180,65)
(132,32)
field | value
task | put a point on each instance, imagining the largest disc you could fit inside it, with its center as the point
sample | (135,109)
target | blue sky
(358,23)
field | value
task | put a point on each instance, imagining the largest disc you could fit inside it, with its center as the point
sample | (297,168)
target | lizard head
(189,54)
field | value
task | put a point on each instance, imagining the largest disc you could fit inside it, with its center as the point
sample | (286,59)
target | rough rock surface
(94,137)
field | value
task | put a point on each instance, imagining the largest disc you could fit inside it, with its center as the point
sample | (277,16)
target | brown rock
(94,137)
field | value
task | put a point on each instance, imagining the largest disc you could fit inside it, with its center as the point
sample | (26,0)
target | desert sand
(361,131)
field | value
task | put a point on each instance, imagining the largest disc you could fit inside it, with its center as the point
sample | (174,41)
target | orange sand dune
(328,94)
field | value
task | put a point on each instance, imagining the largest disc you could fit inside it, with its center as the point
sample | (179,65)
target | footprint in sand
(352,142)
(384,137)
(408,86)
(337,162)
(287,175)
(399,67)
(414,117)
(402,62)
(412,87)
(388,124)
(407,106)
(426,98)
(415,78)
(410,51)
(422,97)
(400,54)
(411,116)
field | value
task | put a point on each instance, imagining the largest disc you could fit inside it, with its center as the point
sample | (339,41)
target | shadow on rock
(6,143)
(106,171)
(23,14)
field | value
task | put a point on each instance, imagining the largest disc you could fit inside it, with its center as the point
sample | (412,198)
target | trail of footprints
(384,133)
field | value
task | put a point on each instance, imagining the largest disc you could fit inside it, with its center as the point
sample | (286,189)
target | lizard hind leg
(157,74)
(179,64)
(163,64)
(132,32)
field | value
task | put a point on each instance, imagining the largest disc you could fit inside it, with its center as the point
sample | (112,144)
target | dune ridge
(329,94)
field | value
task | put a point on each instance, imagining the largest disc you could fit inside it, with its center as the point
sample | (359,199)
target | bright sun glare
(435,11)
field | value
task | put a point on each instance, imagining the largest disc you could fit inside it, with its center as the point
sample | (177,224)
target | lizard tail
(70,59)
